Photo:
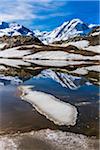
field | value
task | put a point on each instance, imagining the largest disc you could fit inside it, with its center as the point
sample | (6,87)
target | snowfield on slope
(85,70)
(95,49)
(79,44)
(13,62)
(67,30)
(59,55)
(13,53)
(2,45)
(56,63)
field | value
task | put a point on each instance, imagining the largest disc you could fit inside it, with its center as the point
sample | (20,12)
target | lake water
(82,91)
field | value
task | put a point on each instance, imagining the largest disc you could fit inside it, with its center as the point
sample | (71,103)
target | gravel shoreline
(48,139)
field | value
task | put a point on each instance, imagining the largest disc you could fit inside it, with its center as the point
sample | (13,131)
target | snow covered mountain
(67,30)
(14,29)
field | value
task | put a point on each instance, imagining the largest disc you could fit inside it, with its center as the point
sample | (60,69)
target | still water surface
(19,116)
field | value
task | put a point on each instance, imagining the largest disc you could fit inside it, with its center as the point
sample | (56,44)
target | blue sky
(48,14)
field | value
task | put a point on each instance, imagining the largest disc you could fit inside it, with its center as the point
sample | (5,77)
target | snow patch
(79,44)
(13,62)
(81,71)
(56,63)
(2,67)
(94,68)
(59,112)
(2,45)
(59,55)
(95,49)
(14,53)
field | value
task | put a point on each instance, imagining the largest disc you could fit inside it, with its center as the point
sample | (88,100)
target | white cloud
(11,10)
(16,10)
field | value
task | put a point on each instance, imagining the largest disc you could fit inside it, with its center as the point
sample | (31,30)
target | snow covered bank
(59,112)
(2,67)
(85,70)
(59,55)
(56,63)
(95,49)
(14,53)
(48,55)
(47,139)
(2,45)
(79,44)
(13,62)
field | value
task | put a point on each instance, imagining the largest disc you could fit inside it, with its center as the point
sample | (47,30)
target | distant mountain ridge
(14,34)
(66,31)
(14,29)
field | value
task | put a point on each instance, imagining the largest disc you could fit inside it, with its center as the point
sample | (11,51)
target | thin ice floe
(59,112)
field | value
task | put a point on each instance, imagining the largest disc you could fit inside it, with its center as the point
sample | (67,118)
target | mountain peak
(69,29)
(14,29)
(76,20)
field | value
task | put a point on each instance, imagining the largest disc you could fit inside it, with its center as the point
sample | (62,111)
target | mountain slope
(14,29)
(67,30)
(13,34)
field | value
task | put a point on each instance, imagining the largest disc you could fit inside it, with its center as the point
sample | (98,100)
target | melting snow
(59,112)
(95,49)
(79,44)
(85,70)
(2,45)
(13,62)
(2,67)
(56,63)
(60,55)
(13,53)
